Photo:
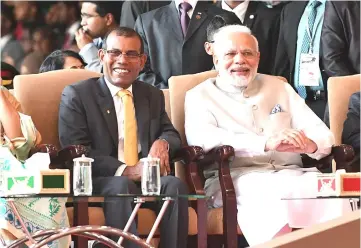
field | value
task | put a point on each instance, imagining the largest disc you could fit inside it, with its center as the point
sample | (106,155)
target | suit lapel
(198,17)
(142,110)
(106,105)
(171,21)
(251,14)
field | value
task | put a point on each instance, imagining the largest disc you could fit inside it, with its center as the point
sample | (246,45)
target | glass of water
(150,176)
(82,176)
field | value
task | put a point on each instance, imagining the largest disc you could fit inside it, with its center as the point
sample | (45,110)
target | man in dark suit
(171,49)
(264,24)
(132,9)
(97,19)
(351,128)
(93,114)
(299,36)
(340,41)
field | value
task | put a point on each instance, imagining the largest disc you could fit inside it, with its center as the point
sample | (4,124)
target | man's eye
(115,52)
(231,54)
(132,54)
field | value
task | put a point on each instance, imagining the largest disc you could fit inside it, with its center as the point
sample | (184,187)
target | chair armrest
(67,154)
(49,149)
(223,156)
(190,157)
(342,154)
(188,154)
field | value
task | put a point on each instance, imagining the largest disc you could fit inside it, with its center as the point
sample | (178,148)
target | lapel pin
(251,16)
(198,17)
(108,111)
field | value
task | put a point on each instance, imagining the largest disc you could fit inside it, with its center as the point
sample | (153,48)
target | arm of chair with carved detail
(195,161)
(342,154)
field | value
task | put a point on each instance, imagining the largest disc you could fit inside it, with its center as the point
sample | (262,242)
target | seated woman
(20,135)
(62,59)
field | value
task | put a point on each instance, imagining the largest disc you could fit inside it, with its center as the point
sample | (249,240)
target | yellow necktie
(130,129)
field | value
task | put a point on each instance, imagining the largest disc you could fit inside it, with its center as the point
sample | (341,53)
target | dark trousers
(117,210)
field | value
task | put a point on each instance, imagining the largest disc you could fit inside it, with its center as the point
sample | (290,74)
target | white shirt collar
(115,89)
(191,2)
(5,39)
(240,10)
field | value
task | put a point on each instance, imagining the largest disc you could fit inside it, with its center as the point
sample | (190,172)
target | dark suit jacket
(264,24)
(351,127)
(87,117)
(169,54)
(132,9)
(287,42)
(341,38)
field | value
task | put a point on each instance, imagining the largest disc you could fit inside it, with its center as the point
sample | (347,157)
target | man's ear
(208,48)
(101,54)
(143,60)
(109,19)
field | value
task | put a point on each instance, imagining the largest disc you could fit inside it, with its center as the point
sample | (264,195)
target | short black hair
(108,7)
(218,22)
(125,32)
(55,61)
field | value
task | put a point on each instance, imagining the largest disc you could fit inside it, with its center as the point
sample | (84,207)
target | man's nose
(82,22)
(239,58)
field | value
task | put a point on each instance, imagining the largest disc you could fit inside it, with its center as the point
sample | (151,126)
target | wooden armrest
(47,148)
(218,154)
(67,154)
(189,154)
(343,153)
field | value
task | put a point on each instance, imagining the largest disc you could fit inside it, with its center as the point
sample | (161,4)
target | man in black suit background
(132,9)
(171,49)
(340,41)
(264,23)
(94,115)
(300,36)
(351,128)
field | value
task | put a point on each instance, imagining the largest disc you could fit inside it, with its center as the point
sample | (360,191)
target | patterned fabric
(37,213)
(276,109)
(301,89)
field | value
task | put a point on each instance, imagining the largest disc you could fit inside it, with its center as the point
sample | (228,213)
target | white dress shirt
(191,2)
(240,10)
(119,110)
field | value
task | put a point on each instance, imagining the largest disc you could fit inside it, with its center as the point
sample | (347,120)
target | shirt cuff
(120,170)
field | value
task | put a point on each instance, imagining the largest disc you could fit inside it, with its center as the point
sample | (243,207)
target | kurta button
(261,130)
(251,16)
(254,107)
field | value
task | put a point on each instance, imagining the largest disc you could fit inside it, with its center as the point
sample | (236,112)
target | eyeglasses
(115,53)
(247,54)
(85,16)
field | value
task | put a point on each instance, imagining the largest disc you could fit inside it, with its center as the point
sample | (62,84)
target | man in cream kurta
(269,126)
